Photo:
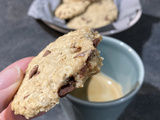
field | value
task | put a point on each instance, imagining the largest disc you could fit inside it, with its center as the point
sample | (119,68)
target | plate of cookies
(106,16)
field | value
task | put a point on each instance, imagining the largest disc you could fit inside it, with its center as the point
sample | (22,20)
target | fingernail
(10,76)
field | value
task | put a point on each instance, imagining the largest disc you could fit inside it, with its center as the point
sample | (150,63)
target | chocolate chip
(65,89)
(26,96)
(87,65)
(34,71)
(46,53)
(83,70)
(78,49)
(106,18)
(80,54)
(95,42)
(37,73)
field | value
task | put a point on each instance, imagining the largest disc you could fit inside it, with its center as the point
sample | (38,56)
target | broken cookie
(57,70)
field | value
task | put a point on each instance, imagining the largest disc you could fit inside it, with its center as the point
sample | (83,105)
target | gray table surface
(21,36)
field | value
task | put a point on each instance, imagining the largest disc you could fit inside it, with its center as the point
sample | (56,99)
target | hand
(10,79)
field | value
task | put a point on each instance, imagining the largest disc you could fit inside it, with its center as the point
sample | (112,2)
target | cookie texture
(98,14)
(71,9)
(57,70)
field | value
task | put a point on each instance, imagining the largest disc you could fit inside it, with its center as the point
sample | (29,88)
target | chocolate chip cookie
(57,70)
(69,10)
(98,14)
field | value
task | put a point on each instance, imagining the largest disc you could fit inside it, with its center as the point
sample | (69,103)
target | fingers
(10,79)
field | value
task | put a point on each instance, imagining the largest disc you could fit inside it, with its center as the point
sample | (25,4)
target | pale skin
(10,80)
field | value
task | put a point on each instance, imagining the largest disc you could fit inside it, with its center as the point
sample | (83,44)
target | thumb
(10,79)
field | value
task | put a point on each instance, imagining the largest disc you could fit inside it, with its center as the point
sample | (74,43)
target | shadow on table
(137,35)
(145,105)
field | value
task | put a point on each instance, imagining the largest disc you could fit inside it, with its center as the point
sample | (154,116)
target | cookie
(69,1)
(98,14)
(57,70)
(69,10)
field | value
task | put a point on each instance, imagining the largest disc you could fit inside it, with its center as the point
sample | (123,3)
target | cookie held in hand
(57,70)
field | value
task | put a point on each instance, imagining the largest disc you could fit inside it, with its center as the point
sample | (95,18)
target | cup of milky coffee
(106,95)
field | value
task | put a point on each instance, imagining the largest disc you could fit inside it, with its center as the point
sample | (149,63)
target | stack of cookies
(92,13)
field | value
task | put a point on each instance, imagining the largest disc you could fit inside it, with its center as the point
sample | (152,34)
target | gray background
(22,36)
